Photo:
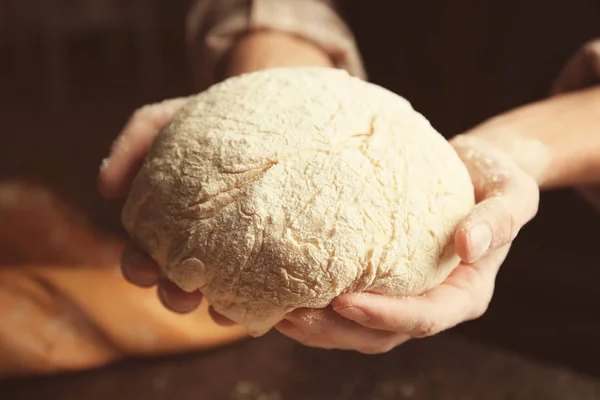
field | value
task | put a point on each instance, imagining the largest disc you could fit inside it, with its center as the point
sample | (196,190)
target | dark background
(72,72)
(460,62)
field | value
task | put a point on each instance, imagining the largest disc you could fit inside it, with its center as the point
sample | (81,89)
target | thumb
(507,198)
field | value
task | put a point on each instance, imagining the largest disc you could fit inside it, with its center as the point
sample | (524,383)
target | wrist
(270,49)
(502,134)
(554,140)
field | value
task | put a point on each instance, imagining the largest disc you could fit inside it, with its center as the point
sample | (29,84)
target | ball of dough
(285,188)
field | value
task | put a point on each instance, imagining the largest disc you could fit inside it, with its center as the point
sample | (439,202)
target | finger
(463,296)
(496,221)
(507,198)
(138,268)
(177,300)
(218,318)
(128,151)
(325,329)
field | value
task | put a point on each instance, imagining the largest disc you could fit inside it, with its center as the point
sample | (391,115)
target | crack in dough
(285,188)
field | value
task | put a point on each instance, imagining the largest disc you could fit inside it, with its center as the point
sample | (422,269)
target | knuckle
(304,339)
(479,310)
(370,350)
(309,342)
(497,182)
(472,277)
(309,339)
(143,111)
(317,342)
(384,345)
(506,222)
(427,329)
(142,115)
(480,301)
(374,349)
(482,306)
(526,197)
(495,213)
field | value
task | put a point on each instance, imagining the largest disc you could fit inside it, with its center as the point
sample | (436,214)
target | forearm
(270,49)
(556,140)
(228,37)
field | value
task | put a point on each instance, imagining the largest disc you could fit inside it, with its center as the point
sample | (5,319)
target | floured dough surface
(282,189)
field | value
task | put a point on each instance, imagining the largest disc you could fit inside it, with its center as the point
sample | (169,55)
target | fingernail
(355,314)
(480,238)
(131,257)
(176,305)
(163,296)
(218,318)
(131,261)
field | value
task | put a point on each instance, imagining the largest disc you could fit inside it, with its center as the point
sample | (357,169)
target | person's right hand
(255,51)
(132,144)
(114,180)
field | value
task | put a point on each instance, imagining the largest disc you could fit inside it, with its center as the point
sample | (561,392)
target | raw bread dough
(282,189)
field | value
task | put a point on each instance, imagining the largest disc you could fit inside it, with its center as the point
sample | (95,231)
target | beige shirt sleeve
(580,72)
(214,25)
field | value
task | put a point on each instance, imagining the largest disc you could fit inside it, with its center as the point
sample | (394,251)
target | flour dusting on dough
(282,189)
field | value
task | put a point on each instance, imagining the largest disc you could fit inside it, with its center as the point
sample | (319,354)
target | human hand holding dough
(283,189)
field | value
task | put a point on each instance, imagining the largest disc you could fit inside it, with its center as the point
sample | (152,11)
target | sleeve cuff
(213,26)
(581,71)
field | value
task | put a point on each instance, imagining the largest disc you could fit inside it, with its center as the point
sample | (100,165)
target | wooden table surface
(275,368)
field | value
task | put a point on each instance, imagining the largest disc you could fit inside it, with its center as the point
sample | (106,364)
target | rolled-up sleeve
(213,26)
(582,71)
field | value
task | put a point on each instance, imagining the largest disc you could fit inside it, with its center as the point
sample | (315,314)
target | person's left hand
(507,198)
(373,324)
